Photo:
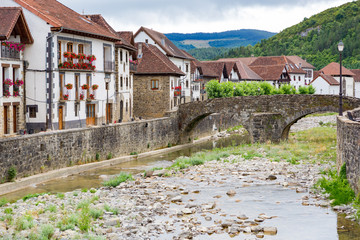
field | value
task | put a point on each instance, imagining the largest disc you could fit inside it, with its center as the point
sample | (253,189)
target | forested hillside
(315,39)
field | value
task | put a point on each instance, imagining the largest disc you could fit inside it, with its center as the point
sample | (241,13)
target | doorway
(61,118)
(90,114)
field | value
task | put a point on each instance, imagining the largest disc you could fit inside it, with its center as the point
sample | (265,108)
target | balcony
(7,52)
(109,66)
(202,91)
(133,67)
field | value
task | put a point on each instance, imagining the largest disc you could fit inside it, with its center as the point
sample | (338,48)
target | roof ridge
(162,60)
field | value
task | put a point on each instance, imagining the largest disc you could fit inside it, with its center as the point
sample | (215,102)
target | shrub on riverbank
(215,89)
(122,177)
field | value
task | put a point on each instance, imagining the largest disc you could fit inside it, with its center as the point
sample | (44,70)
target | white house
(333,69)
(15,37)
(181,60)
(325,84)
(70,62)
(357,81)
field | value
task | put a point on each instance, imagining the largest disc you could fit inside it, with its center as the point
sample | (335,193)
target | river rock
(112,222)
(270,230)
(187,211)
(242,217)
(176,199)
(231,193)
(271,177)
(159,173)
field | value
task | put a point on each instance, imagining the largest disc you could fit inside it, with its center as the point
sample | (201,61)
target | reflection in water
(347,229)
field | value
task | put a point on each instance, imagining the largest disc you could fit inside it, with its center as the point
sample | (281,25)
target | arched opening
(121,110)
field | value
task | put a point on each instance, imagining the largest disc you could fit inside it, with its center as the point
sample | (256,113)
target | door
(15,118)
(90,114)
(108,113)
(6,127)
(121,110)
(61,115)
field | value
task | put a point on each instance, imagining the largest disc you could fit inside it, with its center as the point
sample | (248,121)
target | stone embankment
(200,201)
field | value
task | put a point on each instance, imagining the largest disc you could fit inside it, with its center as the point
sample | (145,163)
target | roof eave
(83,33)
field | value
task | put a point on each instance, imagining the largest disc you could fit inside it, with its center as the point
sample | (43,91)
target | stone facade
(149,103)
(348,148)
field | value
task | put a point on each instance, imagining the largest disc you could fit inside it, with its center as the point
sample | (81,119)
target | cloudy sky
(189,16)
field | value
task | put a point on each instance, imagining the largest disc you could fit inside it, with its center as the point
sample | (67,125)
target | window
(69,48)
(187,84)
(76,107)
(32,112)
(127,106)
(154,84)
(81,51)
(121,56)
(146,40)
(59,51)
(121,82)
(126,57)
(77,82)
(16,88)
(294,78)
(127,82)
(299,78)
(88,82)
(187,67)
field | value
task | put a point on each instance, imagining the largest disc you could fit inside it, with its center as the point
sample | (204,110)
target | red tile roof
(163,42)
(333,69)
(329,79)
(357,74)
(61,17)
(246,73)
(12,20)
(127,38)
(154,62)
(300,62)
(268,73)
(213,69)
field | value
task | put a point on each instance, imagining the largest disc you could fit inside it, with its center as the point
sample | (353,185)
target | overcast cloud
(188,16)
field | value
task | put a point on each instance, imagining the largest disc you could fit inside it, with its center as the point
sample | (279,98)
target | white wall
(323,87)
(348,86)
(357,89)
(296,82)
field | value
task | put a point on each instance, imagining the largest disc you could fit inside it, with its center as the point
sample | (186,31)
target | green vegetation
(322,114)
(230,89)
(122,177)
(24,222)
(33,196)
(337,186)
(234,128)
(51,208)
(60,195)
(107,208)
(11,174)
(133,153)
(3,202)
(109,156)
(96,213)
(314,39)
(97,156)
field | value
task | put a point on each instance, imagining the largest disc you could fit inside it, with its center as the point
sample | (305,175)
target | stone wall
(32,154)
(348,148)
(150,103)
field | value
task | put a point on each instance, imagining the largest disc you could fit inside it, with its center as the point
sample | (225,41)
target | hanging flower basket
(19,82)
(66,96)
(91,58)
(9,82)
(95,87)
(85,87)
(92,96)
(82,96)
(16,94)
(69,86)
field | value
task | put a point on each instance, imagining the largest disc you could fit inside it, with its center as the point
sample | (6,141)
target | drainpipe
(49,71)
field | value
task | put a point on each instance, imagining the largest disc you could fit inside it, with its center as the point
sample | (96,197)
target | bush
(227,89)
(311,89)
(122,177)
(12,173)
(3,202)
(303,90)
(287,89)
(213,89)
(266,88)
(47,231)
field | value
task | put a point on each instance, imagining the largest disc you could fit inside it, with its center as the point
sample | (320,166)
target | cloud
(200,15)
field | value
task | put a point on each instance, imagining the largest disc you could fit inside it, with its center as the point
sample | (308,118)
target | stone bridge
(267,117)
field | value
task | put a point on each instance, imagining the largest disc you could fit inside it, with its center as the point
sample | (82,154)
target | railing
(133,67)
(6,52)
(109,66)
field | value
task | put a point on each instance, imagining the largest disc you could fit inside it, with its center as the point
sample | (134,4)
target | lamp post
(107,81)
(340,48)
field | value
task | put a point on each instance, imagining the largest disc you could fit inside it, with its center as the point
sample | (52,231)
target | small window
(187,68)
(76,109)
(294,78)
(127,106)
(127,82)
(187,84)
(70,47)
(121,82)
(154,84)
(146,40)
(32,112)
(121,56)
(59,51)
(299,78)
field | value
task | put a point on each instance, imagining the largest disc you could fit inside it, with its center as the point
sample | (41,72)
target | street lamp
(107,81)
(340,48)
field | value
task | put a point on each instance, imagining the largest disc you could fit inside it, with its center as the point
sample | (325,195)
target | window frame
(155,84)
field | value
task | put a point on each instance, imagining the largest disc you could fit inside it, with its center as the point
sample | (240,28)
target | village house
(175,55)
(15,36)
(124,51)
(70,77)
(357,81)
(156,89)
(325,84)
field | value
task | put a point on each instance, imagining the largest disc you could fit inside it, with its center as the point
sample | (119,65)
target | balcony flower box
(92,96)
(16,94)
(95,87)
(85,87)
(91,58)
(19,82)
(81,56)
(7,93)
(13,45)
(82,96)
(70,55)
(66,97)
(69,86)
(9,82)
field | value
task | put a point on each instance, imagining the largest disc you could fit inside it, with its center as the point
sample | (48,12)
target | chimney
(300,65)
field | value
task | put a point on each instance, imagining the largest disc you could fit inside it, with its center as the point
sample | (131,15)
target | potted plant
(67,54)
(95,87)
(19,82)
(92,96)
(85,87)
(66,96)
(91,58)
(8,81)
(16,94)
(69,86)
(82,96)
(81,56)
(7,93)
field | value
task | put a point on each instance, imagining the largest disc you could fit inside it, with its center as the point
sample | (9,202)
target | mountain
(314,39)
(234,38)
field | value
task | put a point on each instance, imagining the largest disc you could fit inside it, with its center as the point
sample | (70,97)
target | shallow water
(293,220)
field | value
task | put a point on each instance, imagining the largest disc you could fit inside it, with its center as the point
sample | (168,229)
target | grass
(107,208)
(122,177)
(24,222)
(337,186)
(322,114)
(3,202)
(234,128)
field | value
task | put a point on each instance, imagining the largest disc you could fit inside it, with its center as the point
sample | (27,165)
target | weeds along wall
(348,148)
(32,154)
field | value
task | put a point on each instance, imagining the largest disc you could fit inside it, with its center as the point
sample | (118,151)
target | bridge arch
(264,117)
